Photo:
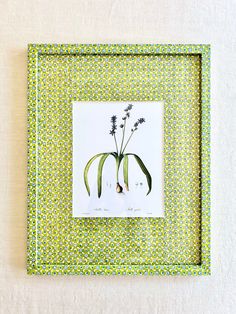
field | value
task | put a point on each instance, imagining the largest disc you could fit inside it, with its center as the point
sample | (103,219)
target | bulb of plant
(119,155)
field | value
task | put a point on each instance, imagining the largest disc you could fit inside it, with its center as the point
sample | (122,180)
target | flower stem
(123,137)
(116,143)
(117,169)
(128,141)
(119,188)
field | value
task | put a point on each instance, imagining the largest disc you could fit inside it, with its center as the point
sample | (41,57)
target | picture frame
(179,243)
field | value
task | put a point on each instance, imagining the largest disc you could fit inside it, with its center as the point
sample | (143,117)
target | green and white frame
(178,244)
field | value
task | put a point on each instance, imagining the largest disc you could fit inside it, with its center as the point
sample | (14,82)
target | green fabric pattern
(178,244)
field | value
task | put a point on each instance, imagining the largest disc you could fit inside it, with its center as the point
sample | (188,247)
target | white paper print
(118,159)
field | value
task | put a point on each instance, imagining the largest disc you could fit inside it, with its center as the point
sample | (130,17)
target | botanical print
(119,155)
(117,159)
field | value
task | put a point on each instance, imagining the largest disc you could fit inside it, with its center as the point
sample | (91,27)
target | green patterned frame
(47,223)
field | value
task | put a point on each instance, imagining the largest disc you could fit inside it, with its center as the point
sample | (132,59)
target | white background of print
(91,125)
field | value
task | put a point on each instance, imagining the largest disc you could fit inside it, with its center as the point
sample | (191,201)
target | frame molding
(34,50)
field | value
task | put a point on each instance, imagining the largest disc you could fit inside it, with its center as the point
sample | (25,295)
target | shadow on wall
(17,179)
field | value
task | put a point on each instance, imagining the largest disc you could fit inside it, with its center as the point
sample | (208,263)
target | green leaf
(144,170)
(125,172)
(114,154)
(100,168)
(118,159)
(86,170)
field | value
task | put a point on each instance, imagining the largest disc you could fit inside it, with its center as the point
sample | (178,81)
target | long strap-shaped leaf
(86,170)
(89,163)
(144,170)
(125,172)
(99,177)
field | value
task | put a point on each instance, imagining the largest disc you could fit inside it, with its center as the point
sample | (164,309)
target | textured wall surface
(110,21)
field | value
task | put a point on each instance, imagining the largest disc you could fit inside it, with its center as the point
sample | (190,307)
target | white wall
(111,21)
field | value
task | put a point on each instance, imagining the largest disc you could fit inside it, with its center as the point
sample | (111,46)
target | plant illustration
(119,155)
